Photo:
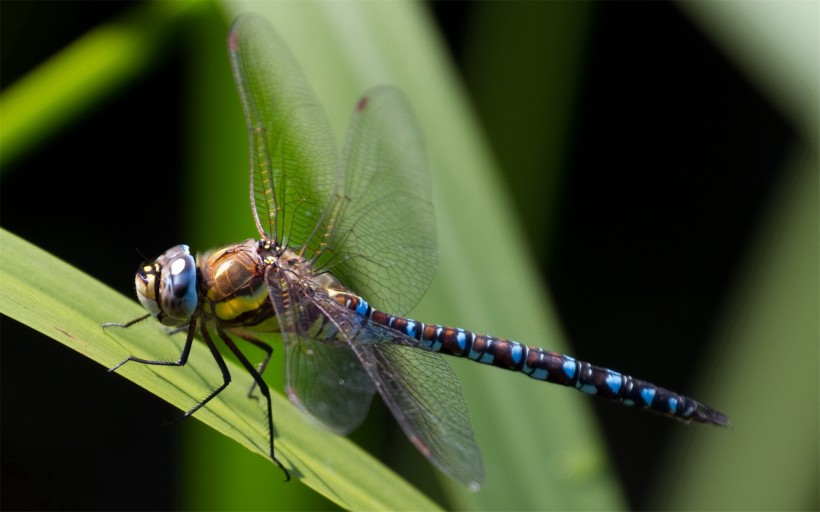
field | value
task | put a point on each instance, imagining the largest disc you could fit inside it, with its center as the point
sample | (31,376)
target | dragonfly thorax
(235,280)
(296,266)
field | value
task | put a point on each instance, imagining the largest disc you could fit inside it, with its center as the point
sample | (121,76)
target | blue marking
(487,357)
(461,339)
(673,405)
(540,374)
(436,345)
(569,367)
(361,307)
(410,330)
(589,389)
(516,352)
(628,402)
(648,394)
(613,380)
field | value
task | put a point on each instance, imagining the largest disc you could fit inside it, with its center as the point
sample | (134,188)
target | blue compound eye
(178,286)
(167,288)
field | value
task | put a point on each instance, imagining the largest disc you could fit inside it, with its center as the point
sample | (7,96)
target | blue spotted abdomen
(540,364)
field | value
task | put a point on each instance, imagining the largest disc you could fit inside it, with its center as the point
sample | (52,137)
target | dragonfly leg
(126,324)
(263,388)
(226,375)
(260,368)
(183,358)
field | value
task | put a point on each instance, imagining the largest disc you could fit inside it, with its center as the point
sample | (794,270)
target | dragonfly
(347,245)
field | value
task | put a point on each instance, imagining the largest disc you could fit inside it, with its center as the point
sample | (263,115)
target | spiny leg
(126,324)
(226,375)
(264,364)
(183,358)
(263,388)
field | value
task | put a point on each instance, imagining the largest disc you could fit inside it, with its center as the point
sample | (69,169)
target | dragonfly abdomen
(540,364)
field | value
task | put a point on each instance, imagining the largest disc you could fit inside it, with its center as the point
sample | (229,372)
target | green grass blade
(58,300)
(87,71)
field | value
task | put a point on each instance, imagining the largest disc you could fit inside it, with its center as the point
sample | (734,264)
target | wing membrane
(368,219)
(328,383)
(425,396)
(324,380)
(420,389)
(383,238)
(292,152)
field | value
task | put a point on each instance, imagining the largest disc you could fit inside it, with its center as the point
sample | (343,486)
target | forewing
(292,152)
(382,241)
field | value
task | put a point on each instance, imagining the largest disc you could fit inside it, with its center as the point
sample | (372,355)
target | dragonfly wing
(292,151)
(425,396)
(419,387)
(324,380)
(383,242)
(352,218)
(328,383)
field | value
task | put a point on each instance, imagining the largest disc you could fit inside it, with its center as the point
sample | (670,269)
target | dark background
(694,215)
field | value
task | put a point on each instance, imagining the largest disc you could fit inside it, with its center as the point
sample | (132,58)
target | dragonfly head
(167,288)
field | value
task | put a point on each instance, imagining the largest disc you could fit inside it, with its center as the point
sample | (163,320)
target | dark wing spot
(361,104)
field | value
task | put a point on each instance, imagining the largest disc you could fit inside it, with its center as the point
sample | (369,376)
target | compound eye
(167,288)
(178,286)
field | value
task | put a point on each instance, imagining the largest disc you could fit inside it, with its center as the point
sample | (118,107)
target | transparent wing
(324,380)
(420,389)
(328,383)
(368,220)
(292,152)
(425,397)
(382,241)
